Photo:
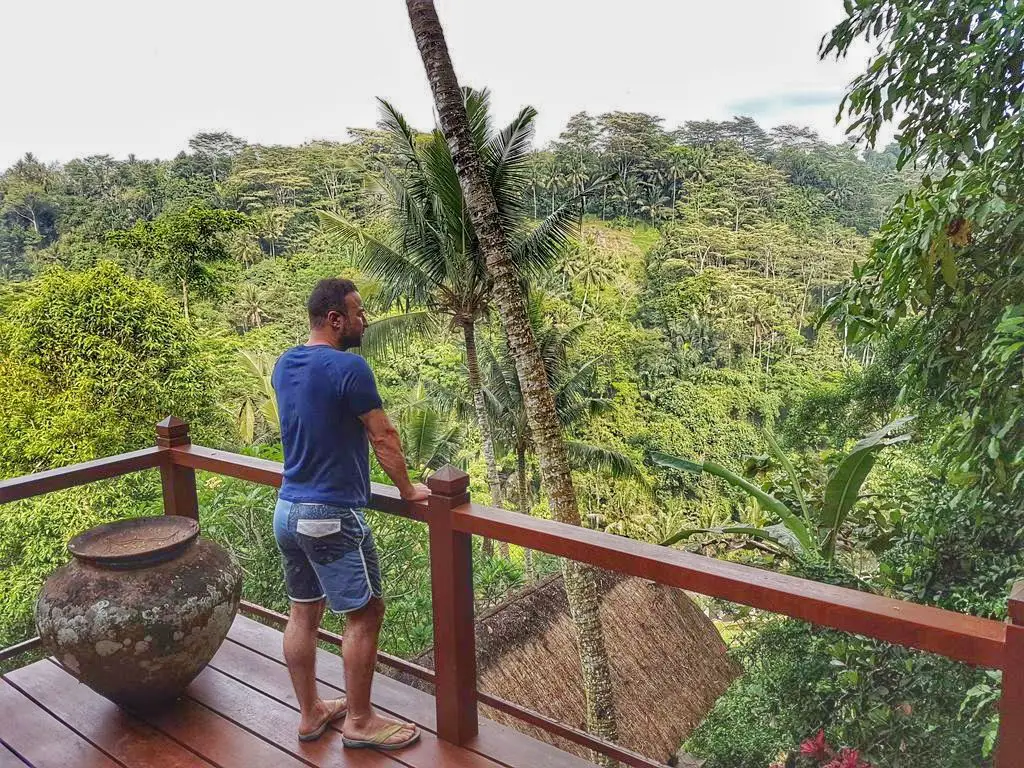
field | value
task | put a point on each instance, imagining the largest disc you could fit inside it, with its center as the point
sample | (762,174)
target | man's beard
(350,340)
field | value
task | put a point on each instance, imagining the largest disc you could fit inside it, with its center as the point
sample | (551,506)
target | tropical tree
(944,277)
(183,245)
(807,531)
(253,306)
(588,267)
(576,400)
(497,249)
(269,225)
(430,253)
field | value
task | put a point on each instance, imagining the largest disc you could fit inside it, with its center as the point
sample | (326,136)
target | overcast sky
(114,77)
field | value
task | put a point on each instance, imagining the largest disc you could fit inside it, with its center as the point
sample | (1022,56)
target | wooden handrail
(24,487)
(958,636)
(976,641)
(383,498)
(23,647)
(955,635)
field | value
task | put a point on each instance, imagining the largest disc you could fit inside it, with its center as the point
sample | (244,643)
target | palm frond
(584,456)
(578,384)
(378,259)
(506,158)
(394,122)
(478,110)
(545,244)
(570,414)
(392,335)
(450,401)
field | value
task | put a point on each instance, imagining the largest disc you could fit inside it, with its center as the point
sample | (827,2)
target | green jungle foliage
(677,280)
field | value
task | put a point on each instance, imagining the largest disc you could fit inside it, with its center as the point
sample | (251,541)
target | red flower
(848,758)
(817,747)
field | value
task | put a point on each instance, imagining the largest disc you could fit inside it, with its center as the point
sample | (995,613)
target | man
(330,413)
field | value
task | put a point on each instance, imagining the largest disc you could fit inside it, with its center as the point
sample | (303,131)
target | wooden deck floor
(239,713)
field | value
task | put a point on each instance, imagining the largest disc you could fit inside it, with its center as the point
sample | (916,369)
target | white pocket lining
(317,528)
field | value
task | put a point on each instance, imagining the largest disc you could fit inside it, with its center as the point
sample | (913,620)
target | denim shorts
(327,552)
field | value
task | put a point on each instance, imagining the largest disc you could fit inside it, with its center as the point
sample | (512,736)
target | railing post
(179,483)
(451,582)
(1010,748)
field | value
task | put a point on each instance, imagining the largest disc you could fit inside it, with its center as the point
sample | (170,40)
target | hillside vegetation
(682,317)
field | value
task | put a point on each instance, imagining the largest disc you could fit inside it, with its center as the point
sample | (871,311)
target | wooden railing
(452,520)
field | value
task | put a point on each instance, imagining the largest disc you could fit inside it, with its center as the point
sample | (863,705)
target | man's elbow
(385,438)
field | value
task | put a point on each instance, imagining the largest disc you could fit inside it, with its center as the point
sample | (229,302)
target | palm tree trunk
(473,368)
(524,508)
(539,401)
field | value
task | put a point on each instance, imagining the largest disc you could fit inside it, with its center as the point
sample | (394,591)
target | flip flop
(337,712)
(379,740)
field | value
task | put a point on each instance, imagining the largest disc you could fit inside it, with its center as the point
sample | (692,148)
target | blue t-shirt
(321,392)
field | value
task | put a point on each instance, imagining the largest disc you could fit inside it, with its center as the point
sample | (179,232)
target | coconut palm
(588,267)
(498,249)
(576,400)
(252,304)
(429,254)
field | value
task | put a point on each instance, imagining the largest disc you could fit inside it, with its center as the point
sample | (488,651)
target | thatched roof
(669,663)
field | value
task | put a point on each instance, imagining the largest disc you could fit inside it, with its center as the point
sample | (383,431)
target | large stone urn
(140,610)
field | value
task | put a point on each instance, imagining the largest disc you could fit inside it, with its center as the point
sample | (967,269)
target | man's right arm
(387,445)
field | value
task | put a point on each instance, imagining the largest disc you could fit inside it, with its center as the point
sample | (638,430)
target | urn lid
(135,543)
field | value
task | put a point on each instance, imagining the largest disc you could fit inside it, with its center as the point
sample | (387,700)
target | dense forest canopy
(730,317)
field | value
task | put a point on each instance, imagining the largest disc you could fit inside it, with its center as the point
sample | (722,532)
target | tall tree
(546,427)
(216,151)
(431,253)
(183,245)
(946,275)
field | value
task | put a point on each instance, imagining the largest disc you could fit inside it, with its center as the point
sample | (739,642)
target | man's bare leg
(359,652)
(300,656)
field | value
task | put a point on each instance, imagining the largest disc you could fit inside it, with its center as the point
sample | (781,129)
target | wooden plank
(123,737)
(42,740)
(954,635)
(217,739)
(271,678)
(277,722)
(500,743)
(39,483)
(388,694)
(8,759)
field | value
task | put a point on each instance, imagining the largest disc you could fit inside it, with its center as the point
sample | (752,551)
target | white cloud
(112,76)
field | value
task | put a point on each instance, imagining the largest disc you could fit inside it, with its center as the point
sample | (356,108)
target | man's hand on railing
(416,492)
